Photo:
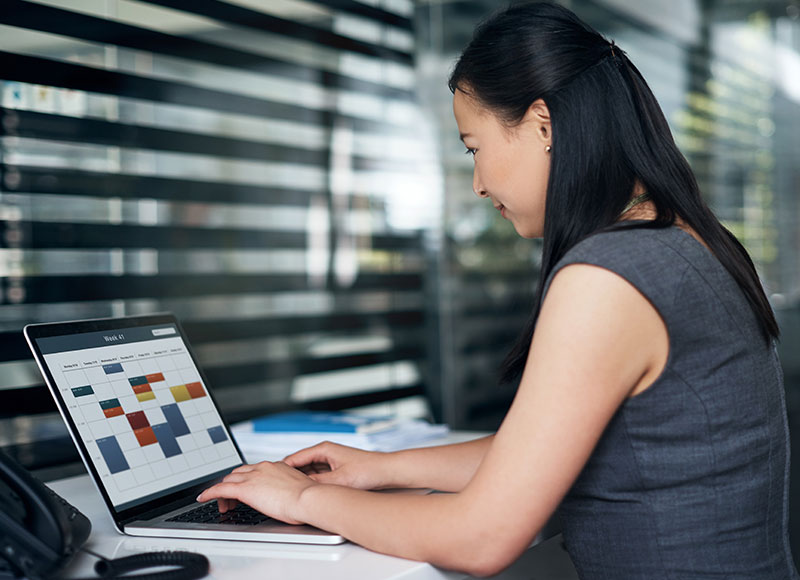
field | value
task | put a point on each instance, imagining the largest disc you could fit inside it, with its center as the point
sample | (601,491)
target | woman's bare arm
(586,357)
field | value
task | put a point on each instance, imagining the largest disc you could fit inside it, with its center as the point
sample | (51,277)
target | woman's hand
(273,489)
(340,465)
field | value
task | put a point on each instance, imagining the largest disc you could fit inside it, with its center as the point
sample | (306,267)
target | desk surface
(243,560)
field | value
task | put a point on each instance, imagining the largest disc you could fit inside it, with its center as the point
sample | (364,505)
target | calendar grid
(144,414)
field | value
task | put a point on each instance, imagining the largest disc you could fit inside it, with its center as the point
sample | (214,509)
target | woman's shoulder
(630,235)
(631,244)
(652,259)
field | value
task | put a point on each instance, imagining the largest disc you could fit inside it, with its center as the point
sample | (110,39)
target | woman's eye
(470,151)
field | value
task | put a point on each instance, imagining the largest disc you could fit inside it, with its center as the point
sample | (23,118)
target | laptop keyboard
(208,513)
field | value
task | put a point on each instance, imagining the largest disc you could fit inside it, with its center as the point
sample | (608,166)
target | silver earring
(547,149)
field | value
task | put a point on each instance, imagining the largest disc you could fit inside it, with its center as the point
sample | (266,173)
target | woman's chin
(528,233)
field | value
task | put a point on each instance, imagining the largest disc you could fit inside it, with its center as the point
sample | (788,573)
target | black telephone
(39,531)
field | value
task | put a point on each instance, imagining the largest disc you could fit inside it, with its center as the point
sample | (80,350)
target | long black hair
(608,133)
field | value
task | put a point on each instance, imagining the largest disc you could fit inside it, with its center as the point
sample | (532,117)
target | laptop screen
(140,406)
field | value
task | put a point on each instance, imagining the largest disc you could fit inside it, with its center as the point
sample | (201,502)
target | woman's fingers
(271,488)
(225,490)
(311,455)
(225,505)
(337,464)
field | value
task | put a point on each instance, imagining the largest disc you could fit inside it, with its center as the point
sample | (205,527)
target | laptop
(148,429)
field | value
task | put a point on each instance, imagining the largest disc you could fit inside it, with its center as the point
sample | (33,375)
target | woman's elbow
(488,566)
(488,559)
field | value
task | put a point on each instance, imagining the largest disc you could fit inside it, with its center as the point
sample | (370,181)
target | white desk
(246,560)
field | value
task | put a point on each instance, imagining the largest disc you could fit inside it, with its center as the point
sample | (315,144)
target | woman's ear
(539,116)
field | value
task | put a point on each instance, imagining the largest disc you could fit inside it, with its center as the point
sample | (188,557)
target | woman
(650,401)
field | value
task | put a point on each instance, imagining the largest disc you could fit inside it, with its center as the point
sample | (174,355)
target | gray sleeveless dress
(690,479)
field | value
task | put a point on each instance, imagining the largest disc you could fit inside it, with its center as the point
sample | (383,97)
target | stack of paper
(276,436)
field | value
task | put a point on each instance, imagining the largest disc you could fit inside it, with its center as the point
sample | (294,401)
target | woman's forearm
(447,530)
(444,468)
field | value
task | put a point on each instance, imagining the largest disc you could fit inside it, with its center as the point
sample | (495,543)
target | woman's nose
(477,187)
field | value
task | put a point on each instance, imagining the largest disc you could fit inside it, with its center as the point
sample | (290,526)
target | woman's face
(512,166)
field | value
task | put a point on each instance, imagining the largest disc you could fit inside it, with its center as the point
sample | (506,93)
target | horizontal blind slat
(367,398)
(205,331)
(37,401)
(287,369)
(46,289)
(48,235)
(371,12)
(41,235)
(241,16)
(126,186)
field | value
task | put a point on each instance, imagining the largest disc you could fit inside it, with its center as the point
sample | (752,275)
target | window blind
(262,169)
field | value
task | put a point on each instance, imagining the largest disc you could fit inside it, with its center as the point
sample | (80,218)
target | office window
(287,177)
(262,169)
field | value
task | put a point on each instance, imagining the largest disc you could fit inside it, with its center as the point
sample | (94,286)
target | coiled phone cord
(190,566)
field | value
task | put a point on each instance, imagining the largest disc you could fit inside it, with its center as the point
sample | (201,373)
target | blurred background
(286,176)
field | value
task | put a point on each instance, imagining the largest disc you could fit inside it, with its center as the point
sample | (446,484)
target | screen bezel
(32,332)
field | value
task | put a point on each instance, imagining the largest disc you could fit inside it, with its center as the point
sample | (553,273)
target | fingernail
(198,498)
